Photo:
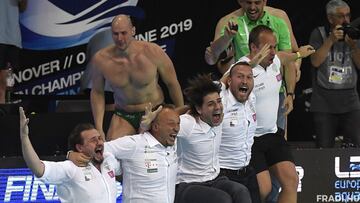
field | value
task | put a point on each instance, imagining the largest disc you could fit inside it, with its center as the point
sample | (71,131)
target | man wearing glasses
(335,101)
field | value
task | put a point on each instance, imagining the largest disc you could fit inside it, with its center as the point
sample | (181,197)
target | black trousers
(247,177)
(327,126)
(221,189)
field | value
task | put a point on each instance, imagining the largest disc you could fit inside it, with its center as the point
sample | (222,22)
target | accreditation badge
(338,74)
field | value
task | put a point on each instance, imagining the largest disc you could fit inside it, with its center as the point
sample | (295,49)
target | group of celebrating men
(223,146)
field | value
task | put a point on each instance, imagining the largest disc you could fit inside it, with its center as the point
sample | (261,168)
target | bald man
(132,68)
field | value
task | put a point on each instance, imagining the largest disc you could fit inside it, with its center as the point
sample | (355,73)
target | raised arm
(31,158)
(224,63)
(167,73)
(220,44)
(97,98)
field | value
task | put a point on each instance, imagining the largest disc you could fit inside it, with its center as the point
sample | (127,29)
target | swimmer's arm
(168,75)
(97,99)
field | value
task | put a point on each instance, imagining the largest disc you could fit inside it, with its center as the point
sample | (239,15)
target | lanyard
(332,55)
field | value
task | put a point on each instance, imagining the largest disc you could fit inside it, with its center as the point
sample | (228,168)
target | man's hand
(337,34)
(264,51)
(24,128)
(148,117)
(102,135)
(231,29)
(306,50)
(79,159)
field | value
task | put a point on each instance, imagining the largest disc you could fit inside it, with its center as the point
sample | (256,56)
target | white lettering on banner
(80,58)
(31,187)
(67,62)
(166,31)
(35,72)
(57,84)
(339,197)
(49,67)
(300,172)
(325,198)
(28,188)
(149,36)
(346,174)
(175,28)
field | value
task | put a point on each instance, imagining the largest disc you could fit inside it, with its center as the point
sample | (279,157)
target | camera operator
(335,101)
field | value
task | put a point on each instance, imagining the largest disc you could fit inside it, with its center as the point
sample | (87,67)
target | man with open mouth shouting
(198,178)
(93,183)
(270,150)
(148,159)
(238,128)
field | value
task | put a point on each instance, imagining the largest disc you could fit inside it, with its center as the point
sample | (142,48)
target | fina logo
(57,24)
(354,168)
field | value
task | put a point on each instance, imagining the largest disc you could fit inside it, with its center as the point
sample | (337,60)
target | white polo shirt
(238,130)
(83,184)
(197,148)
(267,83)
(149,168)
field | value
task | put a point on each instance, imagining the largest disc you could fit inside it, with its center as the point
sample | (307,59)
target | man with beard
(93,183)
(238,127)
(198,144)
(226,60)
(270,150)
(132,68)
(148,160)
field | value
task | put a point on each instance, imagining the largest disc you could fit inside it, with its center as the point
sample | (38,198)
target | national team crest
(111,174)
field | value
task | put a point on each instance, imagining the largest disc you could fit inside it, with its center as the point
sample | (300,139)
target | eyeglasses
(342,16)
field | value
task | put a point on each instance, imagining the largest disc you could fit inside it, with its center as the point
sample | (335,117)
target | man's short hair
(75,135)
(200,86)
(238,63)
(255,33)
(332,5)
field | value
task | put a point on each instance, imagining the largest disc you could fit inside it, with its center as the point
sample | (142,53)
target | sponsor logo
(353,165)
(300,172)
(20,185)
